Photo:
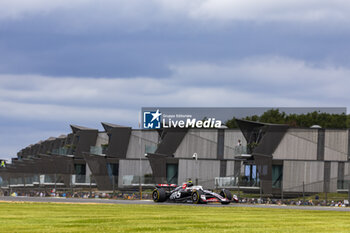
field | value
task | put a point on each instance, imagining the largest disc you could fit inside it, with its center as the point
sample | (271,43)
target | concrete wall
(295,172)
(132,167)
(298,144)
(334,177)
(231,139)
(206,170)
(88,173)
(230,168)
(203,142)
(102,138)
(138,141)
(336,145)
(347,171)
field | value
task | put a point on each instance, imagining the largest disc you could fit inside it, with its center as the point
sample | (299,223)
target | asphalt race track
(149,202)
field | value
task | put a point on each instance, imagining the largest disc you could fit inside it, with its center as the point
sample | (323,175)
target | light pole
(195,157)
(140,165)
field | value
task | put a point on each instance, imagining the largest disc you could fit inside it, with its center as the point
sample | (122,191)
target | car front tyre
(196,197)
(226,194)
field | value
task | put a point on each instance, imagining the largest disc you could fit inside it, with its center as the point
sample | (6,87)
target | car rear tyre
(159,195)
(196,196)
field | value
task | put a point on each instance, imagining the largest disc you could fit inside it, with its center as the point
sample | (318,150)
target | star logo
(156,115)
(151,120)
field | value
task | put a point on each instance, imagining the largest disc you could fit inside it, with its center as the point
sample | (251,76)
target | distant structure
(271,159)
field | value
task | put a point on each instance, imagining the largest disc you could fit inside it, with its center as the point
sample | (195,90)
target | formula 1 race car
(190,194)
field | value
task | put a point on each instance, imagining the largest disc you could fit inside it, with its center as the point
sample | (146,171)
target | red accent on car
(213,200)
(167,185)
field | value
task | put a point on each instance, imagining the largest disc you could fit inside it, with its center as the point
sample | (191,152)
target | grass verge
(58,217)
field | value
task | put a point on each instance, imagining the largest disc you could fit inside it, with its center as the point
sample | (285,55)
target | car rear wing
(170,186)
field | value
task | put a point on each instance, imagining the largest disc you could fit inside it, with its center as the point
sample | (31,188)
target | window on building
(113,172)
(277,176)
(80,171)
(172,173)
(250,177)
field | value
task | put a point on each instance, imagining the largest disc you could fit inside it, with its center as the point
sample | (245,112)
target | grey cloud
(132,38)
(149,53)
(254,80)
(155,10)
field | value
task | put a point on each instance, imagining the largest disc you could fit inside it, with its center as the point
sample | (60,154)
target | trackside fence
(332,192)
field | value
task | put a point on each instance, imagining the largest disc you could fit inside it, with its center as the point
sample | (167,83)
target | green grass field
(54,217)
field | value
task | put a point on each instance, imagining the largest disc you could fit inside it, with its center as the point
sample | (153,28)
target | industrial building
(257,157)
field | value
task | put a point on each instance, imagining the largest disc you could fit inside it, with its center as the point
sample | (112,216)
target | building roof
(109,126)
(77,128)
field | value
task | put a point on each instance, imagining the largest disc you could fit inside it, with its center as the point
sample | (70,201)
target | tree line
(274,116)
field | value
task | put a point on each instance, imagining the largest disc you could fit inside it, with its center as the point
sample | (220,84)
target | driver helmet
(189,183)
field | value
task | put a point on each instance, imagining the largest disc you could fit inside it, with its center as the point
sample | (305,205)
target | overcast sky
(87,61)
